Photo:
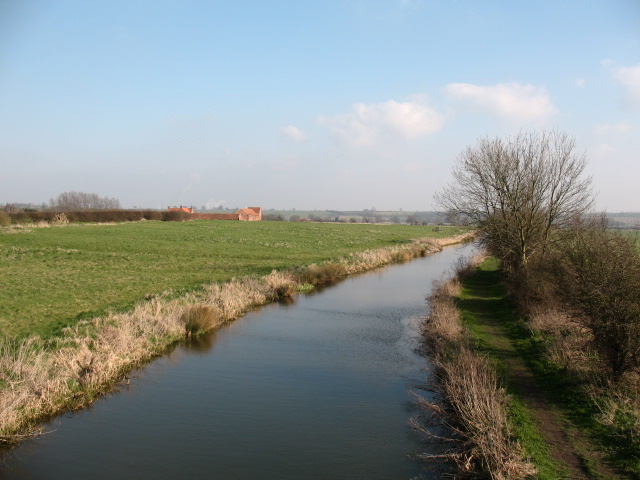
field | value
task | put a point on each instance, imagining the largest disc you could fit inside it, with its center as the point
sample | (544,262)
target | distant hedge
(98,216)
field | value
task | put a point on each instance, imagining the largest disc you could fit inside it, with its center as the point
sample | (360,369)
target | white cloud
(366,124)
(294,133)
(612,129)
(511,102)
(629,78)
(580,82)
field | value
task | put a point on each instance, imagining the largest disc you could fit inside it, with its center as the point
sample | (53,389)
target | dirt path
(567,446)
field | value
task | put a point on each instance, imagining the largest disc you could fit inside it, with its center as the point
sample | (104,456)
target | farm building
(249,214)
(181,209)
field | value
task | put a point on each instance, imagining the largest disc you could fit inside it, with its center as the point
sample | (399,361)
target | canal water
(316,389)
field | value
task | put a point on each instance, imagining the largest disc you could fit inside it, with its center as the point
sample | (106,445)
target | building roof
(249,211)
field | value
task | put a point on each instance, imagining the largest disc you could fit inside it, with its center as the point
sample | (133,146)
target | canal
(314,389)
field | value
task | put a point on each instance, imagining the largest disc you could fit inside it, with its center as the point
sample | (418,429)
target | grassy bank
(55,276)
(531,399)
(41,376)
(473,403)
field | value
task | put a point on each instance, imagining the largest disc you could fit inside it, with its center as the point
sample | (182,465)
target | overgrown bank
(573,284)
(524,395)
(41,377)
(470,400)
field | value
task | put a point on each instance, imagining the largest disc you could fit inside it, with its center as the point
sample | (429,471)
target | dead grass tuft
(478,404)
(567,343)
(201,318)
(442,327)
(281,284)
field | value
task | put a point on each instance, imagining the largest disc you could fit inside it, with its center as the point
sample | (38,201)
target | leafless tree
(73,201)
(518,191)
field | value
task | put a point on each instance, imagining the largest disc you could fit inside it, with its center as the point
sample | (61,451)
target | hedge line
(98,216)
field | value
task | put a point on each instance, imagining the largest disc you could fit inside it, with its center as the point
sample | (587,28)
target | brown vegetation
(597,274)
(94,216)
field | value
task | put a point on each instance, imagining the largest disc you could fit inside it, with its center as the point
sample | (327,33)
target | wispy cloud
(629,79)
(367,124)
(612,129)
(510,102)
(293,133)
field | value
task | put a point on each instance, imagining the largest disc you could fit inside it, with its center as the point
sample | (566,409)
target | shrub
(152,215)
(61,219)
(5,219)
(598,275)
(174,216)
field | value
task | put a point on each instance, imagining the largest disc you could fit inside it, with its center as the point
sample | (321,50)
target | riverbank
(43,377)
(512,413)
(472,403)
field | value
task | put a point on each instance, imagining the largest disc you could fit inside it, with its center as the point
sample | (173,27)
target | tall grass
(473,404)
(606,408)
(41,377)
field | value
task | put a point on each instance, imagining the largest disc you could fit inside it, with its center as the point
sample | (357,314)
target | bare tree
(70,201)
(517,191)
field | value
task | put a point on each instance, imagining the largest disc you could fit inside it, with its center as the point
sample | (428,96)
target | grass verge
(473,405)
(559,352)
(555,394)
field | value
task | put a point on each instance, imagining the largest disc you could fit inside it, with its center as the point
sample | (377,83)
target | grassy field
(53,276)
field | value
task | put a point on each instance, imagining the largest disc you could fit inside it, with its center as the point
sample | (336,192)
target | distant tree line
(78,201)
(84,207)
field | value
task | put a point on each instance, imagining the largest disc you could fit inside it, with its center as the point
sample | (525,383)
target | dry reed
(473,405)
(569,345)
(41,378)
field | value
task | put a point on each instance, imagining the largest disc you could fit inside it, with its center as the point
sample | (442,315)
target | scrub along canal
(315,389)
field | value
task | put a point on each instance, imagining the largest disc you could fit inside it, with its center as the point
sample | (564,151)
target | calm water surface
(317,389)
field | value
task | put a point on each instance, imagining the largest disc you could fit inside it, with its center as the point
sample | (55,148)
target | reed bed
(41,378)
(470,401)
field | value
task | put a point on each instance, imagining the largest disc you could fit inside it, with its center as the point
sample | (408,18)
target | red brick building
(181,209)
(249,214)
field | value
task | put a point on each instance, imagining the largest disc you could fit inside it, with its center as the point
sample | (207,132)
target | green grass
(52,277)
(483,304)
(568,394)
(483,294)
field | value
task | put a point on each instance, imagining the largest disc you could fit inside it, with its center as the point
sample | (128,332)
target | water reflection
(201,343)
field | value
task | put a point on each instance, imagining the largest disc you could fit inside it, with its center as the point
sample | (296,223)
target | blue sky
(340,104)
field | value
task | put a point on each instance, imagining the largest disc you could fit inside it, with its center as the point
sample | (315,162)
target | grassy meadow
(52,277)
